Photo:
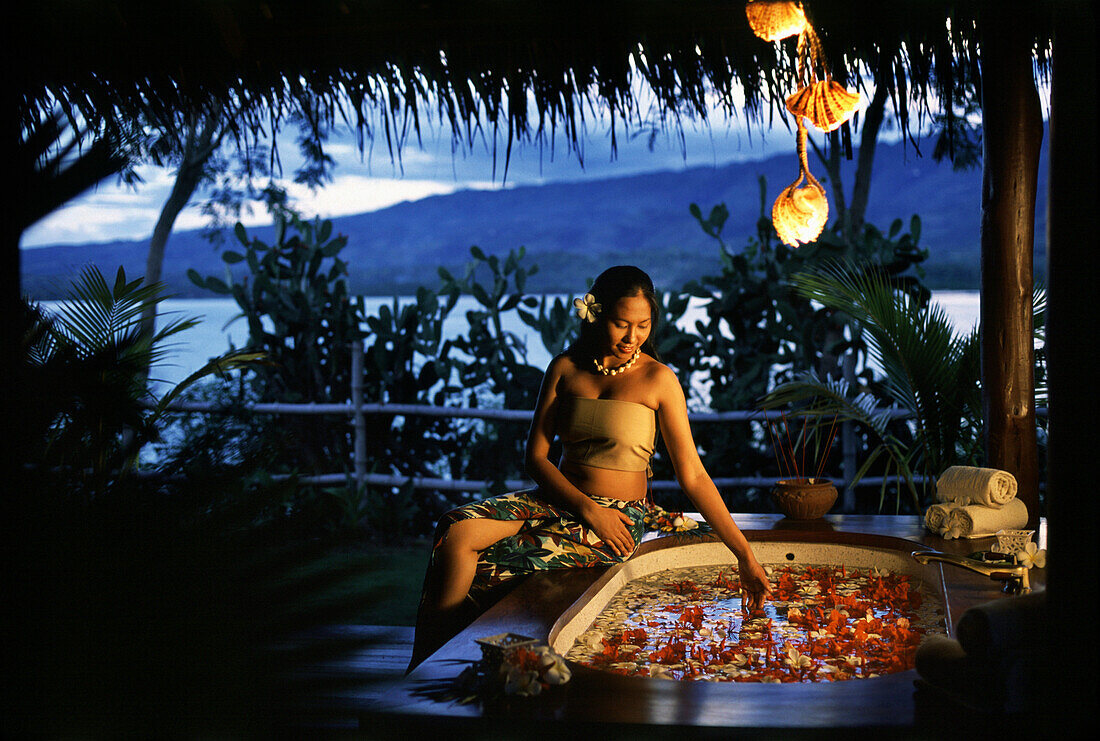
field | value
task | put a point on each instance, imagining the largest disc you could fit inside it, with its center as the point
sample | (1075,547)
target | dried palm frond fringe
(517,72)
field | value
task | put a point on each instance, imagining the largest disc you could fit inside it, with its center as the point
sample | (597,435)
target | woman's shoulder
(656,370)
(662,379)
(562,363)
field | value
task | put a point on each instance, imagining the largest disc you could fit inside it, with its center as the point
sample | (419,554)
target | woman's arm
(698,486)
(610,525)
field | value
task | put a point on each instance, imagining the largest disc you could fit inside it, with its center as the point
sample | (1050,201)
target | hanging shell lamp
(801,210)
(826,103)
(773,20)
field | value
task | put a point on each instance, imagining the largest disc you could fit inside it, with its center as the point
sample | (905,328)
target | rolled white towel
(971,485)
(979,521)
(935,517)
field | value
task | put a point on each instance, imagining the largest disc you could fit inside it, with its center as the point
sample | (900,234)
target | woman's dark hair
(611,285)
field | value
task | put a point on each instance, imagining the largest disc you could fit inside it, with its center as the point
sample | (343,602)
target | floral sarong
(551,538)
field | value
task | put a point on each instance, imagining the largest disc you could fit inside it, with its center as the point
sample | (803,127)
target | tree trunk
(1012,135)
(201,143)
(868,138)
(851,214)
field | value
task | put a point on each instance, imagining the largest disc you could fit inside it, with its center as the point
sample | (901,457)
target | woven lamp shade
(826,103)
(800,212)
(773,20)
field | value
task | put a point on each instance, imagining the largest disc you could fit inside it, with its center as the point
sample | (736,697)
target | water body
(220,327)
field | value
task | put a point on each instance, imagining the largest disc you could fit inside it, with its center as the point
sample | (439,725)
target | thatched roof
(518,68)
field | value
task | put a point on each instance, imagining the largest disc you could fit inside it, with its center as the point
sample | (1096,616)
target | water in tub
(823,623)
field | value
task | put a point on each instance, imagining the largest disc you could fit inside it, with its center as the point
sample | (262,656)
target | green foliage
(298,311)
(491,367)
(496,359)
(927,369)
(88,408)
(760,332)
(147,601)
(555,323)
(299,314)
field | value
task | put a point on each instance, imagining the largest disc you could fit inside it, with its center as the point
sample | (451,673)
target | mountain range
(572,230)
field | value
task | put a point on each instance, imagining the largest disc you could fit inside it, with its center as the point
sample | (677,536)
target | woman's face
(627,324)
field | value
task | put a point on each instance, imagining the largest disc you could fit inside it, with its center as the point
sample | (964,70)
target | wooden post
(848,441)
(1072,361)
(1012,127)
(359,420)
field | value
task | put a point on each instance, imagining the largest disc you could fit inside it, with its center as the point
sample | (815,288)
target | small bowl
(804,499)
(1012,541)
(494,647)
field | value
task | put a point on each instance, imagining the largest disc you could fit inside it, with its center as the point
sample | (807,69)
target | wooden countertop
(603,702)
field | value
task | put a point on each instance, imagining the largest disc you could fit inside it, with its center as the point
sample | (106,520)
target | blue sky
(369,181)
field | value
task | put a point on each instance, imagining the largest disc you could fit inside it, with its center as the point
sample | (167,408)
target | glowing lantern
(800,213)
(801,210)
(826,103)
(773,20)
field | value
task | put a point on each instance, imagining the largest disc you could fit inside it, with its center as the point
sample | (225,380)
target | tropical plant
(928,371)
(759,332)
(299,313)
(85,369)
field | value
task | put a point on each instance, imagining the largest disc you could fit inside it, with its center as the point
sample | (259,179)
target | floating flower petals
(683,624)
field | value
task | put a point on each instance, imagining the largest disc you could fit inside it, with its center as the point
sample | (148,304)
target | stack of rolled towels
(975,502)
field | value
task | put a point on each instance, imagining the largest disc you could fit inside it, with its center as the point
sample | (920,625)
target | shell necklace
(621,369)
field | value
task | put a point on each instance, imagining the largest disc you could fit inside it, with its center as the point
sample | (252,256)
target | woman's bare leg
(449,578)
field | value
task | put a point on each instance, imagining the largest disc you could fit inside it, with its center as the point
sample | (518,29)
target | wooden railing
(358,410)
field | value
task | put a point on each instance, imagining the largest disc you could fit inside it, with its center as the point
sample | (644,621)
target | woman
(604,398)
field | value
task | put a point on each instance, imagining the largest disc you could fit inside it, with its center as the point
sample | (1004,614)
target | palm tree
(928,370)
(85,370)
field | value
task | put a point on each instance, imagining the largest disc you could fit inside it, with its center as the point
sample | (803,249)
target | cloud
(353,194)
(369,181)
(98,219)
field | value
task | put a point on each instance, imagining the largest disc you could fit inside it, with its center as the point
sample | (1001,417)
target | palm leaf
(927,368)
(216,366)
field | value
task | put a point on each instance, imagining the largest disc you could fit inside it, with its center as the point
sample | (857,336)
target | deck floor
(360,677)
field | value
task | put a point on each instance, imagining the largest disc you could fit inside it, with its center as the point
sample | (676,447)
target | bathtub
(853,551)
(553,606)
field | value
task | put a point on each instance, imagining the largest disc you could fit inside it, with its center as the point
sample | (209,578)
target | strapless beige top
(607,433)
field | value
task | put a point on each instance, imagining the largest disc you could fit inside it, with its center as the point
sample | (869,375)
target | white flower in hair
(587,308)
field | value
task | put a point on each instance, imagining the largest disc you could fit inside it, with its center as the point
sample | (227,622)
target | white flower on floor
(1032,556)
(682,523)
(528,671)
(554,670)
(520,681)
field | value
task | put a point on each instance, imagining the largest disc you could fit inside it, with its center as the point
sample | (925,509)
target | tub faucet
(1014,576)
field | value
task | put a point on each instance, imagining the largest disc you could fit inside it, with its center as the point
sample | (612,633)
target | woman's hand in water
(754,582)
(613,528)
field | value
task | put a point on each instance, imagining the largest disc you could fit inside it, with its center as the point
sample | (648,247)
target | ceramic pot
(804,499)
